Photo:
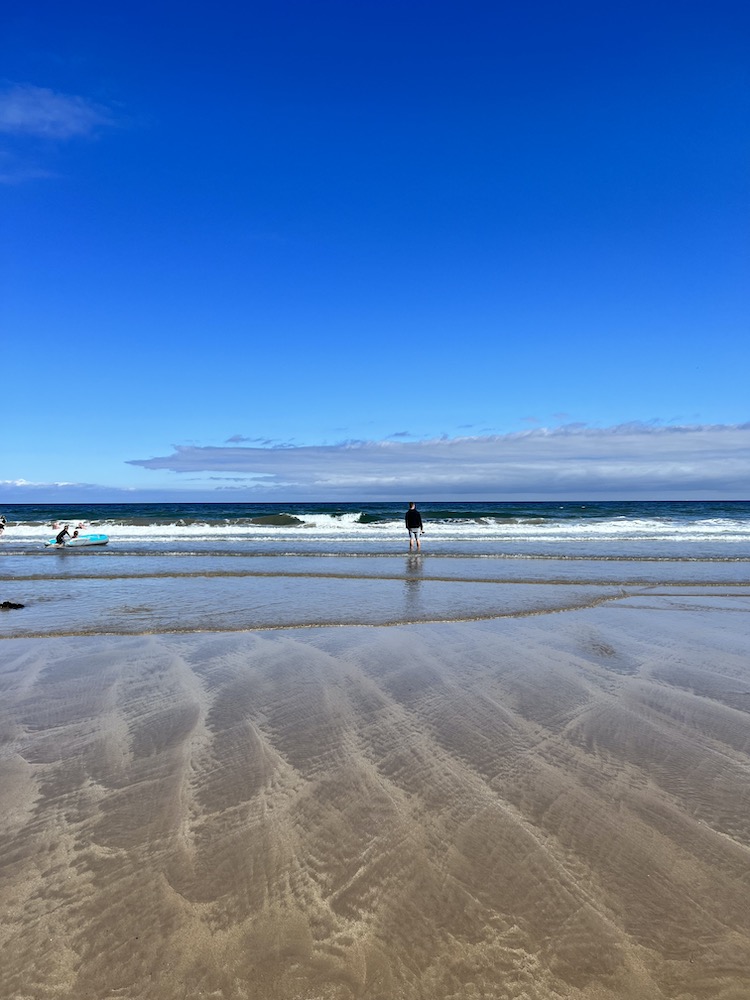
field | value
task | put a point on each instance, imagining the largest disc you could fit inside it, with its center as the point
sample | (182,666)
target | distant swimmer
(60,537)
(414,525)
(3,522)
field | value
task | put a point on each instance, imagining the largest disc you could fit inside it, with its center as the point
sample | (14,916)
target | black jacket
(413,518)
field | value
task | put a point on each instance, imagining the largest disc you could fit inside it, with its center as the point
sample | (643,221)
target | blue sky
(352,250)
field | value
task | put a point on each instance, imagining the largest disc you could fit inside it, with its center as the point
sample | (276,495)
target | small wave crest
(365,518)
(281,520)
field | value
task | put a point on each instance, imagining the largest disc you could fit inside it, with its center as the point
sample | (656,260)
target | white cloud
(24,483)
(15,171)
(39,111)
(641,460)
(629,461)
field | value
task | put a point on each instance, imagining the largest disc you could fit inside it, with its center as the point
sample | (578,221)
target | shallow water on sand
(122,594)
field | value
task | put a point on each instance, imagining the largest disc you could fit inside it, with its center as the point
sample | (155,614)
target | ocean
(188,567)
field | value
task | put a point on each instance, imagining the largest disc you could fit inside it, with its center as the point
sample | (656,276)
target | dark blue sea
(604,529)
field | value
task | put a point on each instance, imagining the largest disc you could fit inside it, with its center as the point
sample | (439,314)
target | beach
(554,806)
(543,796)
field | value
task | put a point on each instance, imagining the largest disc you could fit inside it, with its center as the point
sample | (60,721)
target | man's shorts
(414,531)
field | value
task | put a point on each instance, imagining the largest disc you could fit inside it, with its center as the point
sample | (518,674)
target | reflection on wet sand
(413,607)
(546,807)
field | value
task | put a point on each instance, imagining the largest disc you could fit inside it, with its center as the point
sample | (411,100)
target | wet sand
(543,807)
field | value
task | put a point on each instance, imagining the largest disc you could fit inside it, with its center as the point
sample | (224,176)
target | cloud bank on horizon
(637,461)
(630,458)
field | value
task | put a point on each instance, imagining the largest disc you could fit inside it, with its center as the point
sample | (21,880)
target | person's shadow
(413,585)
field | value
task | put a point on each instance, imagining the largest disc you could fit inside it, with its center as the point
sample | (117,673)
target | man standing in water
(414,525)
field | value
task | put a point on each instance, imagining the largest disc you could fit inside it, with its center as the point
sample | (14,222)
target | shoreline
(709,591)
(200,593)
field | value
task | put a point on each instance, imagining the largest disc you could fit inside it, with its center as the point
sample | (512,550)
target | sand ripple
(542,808)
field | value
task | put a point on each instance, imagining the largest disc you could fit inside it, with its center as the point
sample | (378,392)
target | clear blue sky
(369,248)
